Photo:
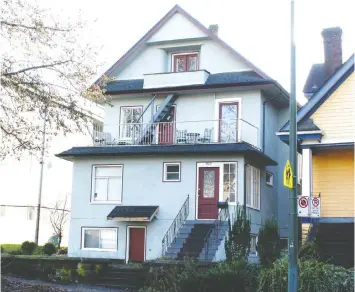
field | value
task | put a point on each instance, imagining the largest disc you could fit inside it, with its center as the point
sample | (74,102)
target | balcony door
(166,128)
(130,122)
(228,122)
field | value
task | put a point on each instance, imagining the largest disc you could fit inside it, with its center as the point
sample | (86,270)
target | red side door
(136,244)
(208,192)
(167,128)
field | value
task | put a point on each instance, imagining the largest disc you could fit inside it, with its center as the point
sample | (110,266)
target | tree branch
(33,27)
(35,68)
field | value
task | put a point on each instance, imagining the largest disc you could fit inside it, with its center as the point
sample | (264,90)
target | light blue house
(190,130)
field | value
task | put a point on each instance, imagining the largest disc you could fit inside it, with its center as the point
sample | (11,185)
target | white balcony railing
(172,133)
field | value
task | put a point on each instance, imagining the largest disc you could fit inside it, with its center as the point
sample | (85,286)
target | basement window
(100,239)
(253,244)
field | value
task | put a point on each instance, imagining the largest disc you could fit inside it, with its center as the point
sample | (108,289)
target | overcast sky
(258,29)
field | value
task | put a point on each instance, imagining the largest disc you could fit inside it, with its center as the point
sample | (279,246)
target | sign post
(293,218)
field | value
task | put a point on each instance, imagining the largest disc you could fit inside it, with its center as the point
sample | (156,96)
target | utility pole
(41,175)
(293,216)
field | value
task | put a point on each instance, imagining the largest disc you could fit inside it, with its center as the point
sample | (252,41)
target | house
(326,135)
(20,180)
(189,134)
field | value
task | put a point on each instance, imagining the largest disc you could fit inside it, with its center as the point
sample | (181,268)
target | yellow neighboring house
(326,135)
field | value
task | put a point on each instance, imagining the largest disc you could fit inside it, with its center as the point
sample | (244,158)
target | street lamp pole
(293,216)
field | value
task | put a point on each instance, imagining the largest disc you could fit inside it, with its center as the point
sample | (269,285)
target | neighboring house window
(101,239)
(185,62)
(2,211)
(172,171)
(107,183)
(230,182)
(30,213)
(284,243)
(269,179)
(253,186)
(130,121)
(253,244)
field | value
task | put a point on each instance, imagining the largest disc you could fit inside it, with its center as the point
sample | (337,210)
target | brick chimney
(333,55)
(214,29)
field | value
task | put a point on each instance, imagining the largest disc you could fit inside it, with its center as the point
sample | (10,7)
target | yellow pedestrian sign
(288,175)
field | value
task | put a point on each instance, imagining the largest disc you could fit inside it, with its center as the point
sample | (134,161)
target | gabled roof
(315,79)
(323,93)
(178,9)
(228,78)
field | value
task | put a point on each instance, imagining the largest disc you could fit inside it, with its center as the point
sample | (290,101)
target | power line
(28,206)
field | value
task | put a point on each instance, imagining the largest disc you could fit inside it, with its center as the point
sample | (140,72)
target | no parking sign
(315,207)
(303,208)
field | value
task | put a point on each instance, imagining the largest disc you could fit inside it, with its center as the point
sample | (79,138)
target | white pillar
(306,172)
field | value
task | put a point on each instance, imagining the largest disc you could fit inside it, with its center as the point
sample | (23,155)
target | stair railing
(174,228)
(215,230)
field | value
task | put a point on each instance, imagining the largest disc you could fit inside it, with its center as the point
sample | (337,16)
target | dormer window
(184,62)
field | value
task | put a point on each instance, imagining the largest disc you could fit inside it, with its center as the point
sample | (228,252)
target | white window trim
(228,100)
(93,176)
(256,244)
(98,228)
(127,241)
(271,184)
(121,136)
(165,164)
(181,54)
(251,182)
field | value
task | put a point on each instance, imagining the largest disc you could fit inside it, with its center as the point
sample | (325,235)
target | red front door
(208,192)
(167,128)
(136,244)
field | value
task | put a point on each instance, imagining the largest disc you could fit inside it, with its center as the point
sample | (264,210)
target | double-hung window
(230,182)
(107,183)
(172,171)
(101,239)
(253,187)
(185,62)
(130,122)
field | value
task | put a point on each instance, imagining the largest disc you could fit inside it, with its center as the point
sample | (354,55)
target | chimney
(333,55)
(214,29)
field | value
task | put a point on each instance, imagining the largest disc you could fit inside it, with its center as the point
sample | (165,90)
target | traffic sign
(303,208)
(288,175)
(315,207)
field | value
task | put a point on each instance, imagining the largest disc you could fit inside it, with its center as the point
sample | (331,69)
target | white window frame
(165,165)
(172,64)
(256,244)
(236,181)
(98,228)
(271,182)
(251,187)
(122,122)
(93,180)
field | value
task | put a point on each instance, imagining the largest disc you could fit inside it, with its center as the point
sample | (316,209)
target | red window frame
(185,56)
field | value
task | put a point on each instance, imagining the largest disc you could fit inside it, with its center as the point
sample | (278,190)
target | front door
(136,247)
(167,128)
(208,192)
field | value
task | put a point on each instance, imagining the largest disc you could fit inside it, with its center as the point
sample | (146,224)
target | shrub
(63,251)
(237,246)
(7,248)
(65,273)
(268,246)
(308,251)
(49,249)
(28,247)
(313,277)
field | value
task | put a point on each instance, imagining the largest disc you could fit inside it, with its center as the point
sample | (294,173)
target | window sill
(269,184)
(254,208)
(106,203)
(99,249)
(171,180)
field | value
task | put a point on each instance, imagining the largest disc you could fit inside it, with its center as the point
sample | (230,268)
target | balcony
(172,79)
(177,133)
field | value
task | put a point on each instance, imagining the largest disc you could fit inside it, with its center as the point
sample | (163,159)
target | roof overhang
(242,148)
(133,213)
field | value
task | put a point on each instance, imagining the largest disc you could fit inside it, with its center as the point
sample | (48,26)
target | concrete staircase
(189,242)
(122,277)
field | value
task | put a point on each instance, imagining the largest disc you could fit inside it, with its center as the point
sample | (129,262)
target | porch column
(306,172)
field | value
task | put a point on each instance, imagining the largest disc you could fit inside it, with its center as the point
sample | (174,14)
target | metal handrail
(174,228)
(214,231)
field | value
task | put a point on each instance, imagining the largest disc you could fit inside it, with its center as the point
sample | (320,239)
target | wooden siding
(333,177)
(336,117)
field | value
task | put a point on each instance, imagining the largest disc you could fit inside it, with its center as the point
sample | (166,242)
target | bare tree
(46,73)
(59,216)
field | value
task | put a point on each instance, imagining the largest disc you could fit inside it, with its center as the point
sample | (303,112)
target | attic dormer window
(184,62)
